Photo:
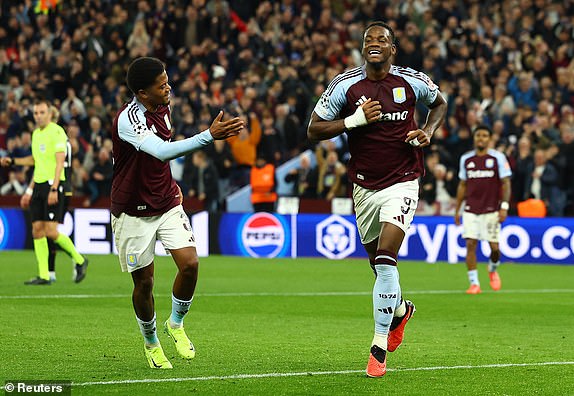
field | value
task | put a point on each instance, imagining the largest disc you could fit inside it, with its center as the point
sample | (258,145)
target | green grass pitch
(293,327)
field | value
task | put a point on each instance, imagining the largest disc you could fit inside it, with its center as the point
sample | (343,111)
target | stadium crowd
(506,64)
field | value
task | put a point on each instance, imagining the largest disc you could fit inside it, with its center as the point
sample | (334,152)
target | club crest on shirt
(399,95)
(489,163)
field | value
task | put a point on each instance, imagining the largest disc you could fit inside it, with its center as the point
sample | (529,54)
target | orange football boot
(377,366)
(397,331)
(495,282)
(474,289)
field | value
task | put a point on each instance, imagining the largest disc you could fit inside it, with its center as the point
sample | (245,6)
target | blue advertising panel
(255,234)
(431,239)
(549,240)
(331,236)
(13,229)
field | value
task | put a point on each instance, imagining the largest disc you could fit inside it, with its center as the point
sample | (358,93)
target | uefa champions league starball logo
(263,235)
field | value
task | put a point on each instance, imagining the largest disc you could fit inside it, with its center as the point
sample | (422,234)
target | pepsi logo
(263,235)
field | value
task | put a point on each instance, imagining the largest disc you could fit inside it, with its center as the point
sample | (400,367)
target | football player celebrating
(147,203)
(375,105)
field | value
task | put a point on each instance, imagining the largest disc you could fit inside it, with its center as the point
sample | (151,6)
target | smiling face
(378,46)
(158,93)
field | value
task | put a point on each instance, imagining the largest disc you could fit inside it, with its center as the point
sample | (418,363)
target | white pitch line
(279,294)
(311,373)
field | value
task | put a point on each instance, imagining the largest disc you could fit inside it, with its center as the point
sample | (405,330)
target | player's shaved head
(143,72)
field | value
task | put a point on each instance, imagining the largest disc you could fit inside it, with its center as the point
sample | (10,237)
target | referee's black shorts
(39,208)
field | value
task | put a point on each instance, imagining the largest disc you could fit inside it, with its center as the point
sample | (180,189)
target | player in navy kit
(375,105)
(146,201)
(484,180)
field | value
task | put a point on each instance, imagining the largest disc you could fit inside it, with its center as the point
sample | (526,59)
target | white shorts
(395,204)
(135,237)
(482,227)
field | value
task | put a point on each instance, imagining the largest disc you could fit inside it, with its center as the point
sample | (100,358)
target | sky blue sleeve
(133,129)
(165,151)
(425,89)
(331,101)
(503,166)
(461,168)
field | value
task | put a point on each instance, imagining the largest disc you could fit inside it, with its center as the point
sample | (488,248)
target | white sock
(149,332)
(401,310)
(380,340)
(473,277)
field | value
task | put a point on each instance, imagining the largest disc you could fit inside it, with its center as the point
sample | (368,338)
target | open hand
(223,129)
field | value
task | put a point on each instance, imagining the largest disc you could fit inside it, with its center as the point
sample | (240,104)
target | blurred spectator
(270,144)
(79,178)
(100,181)
(16,184)
(202,181)
(72,107)
(330,174)
(522,161)
(263,186)
(445,188)
(523,90)
(567,151)
(244,150)
(220,153)
(542,180)
(427,193)
(95,135)
(304,178)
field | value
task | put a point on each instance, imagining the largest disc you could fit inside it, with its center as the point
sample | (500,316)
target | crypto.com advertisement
(429,238)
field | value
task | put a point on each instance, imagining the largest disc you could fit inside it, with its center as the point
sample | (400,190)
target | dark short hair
(386,26)
(482,127)
(142,73)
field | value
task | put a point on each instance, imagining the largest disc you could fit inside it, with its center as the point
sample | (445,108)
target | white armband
(28,191)
(504,205)
(356,119)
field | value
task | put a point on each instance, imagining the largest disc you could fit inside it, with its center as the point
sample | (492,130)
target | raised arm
(165,151)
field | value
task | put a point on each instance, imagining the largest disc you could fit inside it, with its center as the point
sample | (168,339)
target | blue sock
(149,331)
(179,309)
(386,292)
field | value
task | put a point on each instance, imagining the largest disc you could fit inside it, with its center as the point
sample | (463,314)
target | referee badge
(399,95)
